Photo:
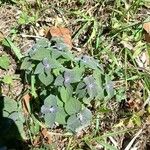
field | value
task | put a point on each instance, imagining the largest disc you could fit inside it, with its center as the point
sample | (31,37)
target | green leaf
(4,62)
(97,74)
(81,93)
(5,114)
(40,54)
(51,100)
(45,79)
(110,90)
(61,116)
(87,101)
(21,129)
(73,106)
(90,62)
(78,72)
(34,127)
(98,78)
(39,69)
(81,90)
(60,103)
(73,75)
(109,87)
(73,123)
(49,119)
(79,121)
(65,93)
(86,117)
(17,116)
(21,21)
(43,42)
(10,105)
(120,94)
(16,129)
(15,49)
(33,88)
(8,80)
(56,54)
(137,120)
(26,64)
(104,110)
(56,72)
(68,55)
(59,80)
(91,86)
(54,63)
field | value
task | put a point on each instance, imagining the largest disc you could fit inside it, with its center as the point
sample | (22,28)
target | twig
(113,141)
(147,101)
(31,36)
(133,140)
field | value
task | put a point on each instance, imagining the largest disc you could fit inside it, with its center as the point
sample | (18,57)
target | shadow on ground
(10,137)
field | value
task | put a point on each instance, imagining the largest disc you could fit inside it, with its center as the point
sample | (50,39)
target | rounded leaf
(46,79)
(72,106)
(85,116)
(39,69)
(61,116)
(51,100)
(49,119)
(73,123)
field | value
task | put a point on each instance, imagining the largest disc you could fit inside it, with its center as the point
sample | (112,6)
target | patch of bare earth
(8,15)
(109,121)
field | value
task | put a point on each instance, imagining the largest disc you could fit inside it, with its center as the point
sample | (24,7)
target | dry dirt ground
(9,15)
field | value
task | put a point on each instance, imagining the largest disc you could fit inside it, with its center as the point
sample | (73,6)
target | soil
(8,23)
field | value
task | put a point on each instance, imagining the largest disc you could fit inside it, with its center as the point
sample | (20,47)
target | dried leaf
(134,104)
(146,27)
(147,37)
(47,136)
(61,32)
(26,104)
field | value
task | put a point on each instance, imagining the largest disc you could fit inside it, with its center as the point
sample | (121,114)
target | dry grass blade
(132,141)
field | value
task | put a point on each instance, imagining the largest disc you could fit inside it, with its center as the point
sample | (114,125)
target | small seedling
(4,62)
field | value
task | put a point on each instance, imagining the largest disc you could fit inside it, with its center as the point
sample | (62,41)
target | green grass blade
(15,49)
(108,146)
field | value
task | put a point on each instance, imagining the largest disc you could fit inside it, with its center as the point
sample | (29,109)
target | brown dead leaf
(134,104)
(47,136)
(26,104)
(147,37)
(146,27)
(61,32)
